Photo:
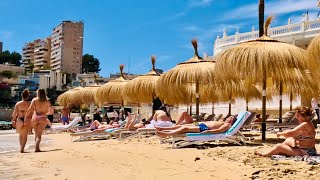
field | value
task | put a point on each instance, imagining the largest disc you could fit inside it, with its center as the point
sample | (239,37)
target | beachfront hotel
(299,34)
(67,47)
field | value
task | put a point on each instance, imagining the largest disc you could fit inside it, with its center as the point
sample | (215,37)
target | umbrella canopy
(142,88)
(186,81)
(69,97)
(313,52)
(87,95)
(264,57)
(111,92)
(246,60)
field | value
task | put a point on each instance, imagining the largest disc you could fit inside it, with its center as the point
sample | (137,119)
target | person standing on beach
(65,115)
(50,114)
(18,120)
(315,107)
(37,115)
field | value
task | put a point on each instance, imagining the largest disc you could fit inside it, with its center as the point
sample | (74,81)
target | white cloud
(199,3)
(276,7)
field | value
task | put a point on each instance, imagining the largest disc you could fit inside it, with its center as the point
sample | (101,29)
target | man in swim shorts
(65,115)
(201,127)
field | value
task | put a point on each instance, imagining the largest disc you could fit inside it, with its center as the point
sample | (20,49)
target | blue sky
(130,31)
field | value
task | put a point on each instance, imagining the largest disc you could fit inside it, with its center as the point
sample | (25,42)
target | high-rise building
(0,47)
(66,47)
(36,54)
(42,53)
(28,55)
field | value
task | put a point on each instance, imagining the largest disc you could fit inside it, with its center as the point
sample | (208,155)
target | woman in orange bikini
(299,141)
(18,119)
(37,114)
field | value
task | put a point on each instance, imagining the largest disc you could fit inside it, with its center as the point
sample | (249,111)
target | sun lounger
(89,135)
(139,132)
(231,135)
(72,125)
(5,125)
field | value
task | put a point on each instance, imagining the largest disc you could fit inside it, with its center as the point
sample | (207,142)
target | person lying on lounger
(201,127)
(97,126)
(299,141)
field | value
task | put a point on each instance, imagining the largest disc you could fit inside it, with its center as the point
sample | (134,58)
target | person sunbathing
(299,141)
(201,127)
(97,126)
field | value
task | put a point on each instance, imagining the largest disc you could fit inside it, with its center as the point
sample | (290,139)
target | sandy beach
(146,158)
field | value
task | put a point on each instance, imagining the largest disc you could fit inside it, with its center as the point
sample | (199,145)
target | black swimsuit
(22,119)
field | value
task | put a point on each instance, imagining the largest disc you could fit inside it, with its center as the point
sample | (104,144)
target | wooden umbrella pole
(280,102)
(197,100)
(230,96)
(247,104)
(212,108)
(291,97)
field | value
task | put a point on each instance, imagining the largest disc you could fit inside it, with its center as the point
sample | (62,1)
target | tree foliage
(7,74)
(13,58)
(90,64)
(5,92)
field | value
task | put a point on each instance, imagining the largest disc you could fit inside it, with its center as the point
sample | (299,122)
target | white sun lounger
(231,135)
(72,125)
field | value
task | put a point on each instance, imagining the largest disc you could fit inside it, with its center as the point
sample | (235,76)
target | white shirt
(314,103)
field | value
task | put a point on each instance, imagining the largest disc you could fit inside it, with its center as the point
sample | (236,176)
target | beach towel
(312,160)
(154,123)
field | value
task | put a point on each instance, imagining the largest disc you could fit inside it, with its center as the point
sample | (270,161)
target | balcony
(305,29)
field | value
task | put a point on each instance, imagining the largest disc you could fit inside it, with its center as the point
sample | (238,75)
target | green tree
(5,92)
(13,58)
(90,64)
(7,74)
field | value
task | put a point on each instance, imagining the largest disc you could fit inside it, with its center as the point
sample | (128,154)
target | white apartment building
(42,53)
(37,53)
(66,47)
(28,55)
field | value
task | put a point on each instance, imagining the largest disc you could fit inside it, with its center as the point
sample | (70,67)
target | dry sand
(147,159)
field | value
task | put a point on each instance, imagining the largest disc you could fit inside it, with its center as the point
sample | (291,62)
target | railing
(304,26)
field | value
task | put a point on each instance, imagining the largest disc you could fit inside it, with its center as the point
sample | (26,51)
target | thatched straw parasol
(256,60)
(313,52)
(69,97)
(111,92)
(185,81)
(87,95)
(142,88)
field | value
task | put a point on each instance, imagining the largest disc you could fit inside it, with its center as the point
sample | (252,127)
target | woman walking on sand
(37,114)
(18,120)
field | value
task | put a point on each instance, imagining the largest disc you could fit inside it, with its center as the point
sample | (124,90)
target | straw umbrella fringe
(246,60)
(87,94)
(111,92)
(184,81)
(313,52)
(142,88)
(69,97)
(256,60)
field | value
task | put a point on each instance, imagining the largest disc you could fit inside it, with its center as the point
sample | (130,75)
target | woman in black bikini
(299,141)
(38,113)
(18,119)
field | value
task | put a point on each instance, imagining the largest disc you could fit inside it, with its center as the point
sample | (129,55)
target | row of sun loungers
(244,121)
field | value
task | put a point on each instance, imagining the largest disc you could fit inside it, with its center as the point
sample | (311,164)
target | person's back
(161,115)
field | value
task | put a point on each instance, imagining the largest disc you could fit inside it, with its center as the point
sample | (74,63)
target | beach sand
(146,158)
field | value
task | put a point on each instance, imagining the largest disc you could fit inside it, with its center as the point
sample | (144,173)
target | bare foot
(22,151)
(258,153)
(37,150)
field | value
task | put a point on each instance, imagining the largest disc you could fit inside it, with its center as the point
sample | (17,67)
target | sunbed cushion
(241,118)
